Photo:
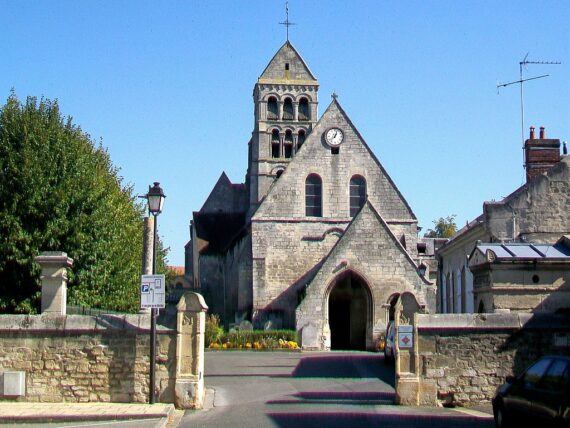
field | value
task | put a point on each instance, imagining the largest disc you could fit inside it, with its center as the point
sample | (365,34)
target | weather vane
(287,23)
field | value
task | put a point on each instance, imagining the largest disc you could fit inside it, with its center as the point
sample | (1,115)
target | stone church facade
(318,238)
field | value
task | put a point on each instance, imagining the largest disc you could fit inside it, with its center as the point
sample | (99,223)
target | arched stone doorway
(349,308)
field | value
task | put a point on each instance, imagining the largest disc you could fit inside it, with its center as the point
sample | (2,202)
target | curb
(164,414)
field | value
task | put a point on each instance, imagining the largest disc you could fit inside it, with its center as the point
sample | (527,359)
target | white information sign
(153,291)
(405,336)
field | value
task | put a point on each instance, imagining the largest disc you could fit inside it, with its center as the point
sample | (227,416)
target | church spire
(287,23)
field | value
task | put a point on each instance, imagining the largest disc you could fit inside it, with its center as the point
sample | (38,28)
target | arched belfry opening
(350,306)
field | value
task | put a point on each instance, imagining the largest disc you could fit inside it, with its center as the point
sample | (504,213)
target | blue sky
(167,87)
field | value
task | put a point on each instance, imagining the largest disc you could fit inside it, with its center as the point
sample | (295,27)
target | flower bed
(256,340)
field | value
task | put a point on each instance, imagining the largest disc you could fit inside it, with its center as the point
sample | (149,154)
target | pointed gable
(370,249)
(286,198)
(369,237)
(226,197)
(287,66)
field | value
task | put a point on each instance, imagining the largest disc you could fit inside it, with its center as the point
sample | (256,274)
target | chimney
(540,153)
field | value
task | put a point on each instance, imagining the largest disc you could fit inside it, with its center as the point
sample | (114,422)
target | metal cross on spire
(287,23)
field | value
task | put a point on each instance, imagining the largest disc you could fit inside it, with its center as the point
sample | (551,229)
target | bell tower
(285,111)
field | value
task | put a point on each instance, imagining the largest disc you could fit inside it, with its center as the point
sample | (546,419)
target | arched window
(313,196)
(275,147)
(300,139)
(272,109)
(278,173)
(304,109)
(288,148)
(357,194)
(288,109)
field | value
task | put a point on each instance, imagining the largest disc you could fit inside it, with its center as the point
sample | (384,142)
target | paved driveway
(333,389)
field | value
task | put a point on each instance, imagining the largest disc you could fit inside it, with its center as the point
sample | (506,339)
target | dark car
(541,394)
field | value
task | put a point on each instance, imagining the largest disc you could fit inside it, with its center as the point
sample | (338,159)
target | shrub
(213,331)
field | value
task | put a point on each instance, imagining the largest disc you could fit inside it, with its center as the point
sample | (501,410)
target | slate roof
(522,252)
(218,229)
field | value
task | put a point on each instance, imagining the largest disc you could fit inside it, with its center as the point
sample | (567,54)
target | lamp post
(155,198)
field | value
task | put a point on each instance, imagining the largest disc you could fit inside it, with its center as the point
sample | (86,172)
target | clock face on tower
(334,136)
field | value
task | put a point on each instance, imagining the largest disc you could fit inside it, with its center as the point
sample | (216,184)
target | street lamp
(155,198)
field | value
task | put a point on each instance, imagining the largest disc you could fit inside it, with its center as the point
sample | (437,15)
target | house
(521,277)
(535,213)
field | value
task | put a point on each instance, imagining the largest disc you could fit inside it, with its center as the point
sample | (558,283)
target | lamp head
(155,198)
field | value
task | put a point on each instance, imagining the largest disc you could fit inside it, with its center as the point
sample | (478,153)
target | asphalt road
(333,389)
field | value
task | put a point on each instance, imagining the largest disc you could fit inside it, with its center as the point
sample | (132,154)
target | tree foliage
(444,228)
(60,192)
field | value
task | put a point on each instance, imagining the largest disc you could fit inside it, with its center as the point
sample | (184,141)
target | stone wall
(106,358)
(82,358)
(461,359)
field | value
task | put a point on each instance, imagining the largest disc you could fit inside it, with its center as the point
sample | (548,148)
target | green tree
(444,228)
(59,191)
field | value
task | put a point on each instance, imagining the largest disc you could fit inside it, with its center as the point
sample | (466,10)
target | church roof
(351,240)
(226,197)
(335,103)
(315,157)
(287,66)
(218,230)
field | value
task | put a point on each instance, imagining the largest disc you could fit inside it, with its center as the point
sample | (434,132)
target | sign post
(153,292)
(153,297)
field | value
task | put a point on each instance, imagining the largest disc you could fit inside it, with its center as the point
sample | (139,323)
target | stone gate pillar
(54,281)
(406,364)
(190,326)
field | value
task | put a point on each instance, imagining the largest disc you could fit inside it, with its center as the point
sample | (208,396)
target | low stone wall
(460,359)
(106,358)
(82,358)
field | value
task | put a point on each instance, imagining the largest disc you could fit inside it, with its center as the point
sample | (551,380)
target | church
(318,238)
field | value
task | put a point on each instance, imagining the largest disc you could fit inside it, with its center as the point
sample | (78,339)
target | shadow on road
(345,366)
(338,397)
(351,419)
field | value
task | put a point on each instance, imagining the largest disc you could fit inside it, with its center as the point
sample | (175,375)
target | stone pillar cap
(54,257)
(193,302)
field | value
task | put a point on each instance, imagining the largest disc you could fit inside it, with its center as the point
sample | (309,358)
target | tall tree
(443,228)
(59,191)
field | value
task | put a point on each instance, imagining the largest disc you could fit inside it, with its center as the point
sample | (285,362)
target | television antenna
(523,65)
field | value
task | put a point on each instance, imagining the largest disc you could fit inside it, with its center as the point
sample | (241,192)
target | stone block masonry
(460,359)
(106,358)
(87,359)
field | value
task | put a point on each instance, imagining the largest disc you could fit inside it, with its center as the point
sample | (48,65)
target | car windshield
(535,372)
(556,378)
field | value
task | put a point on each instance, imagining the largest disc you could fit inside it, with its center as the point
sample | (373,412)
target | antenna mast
(522,64)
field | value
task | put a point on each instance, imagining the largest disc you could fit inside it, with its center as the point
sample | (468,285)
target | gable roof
(336,104)
(217,231)
(382,232)
(226,197)
(314,150)
(298,71)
